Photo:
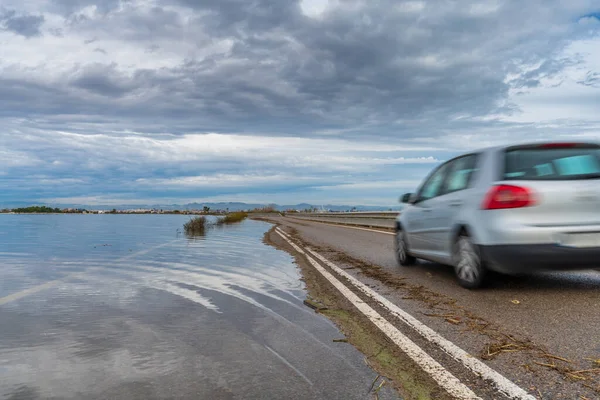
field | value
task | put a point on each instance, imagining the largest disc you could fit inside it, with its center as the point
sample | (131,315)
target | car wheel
(468,265)
(402,255)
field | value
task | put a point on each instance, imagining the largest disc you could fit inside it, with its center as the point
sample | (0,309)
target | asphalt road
(551,313)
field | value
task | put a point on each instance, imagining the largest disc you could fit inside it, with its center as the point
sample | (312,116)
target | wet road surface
(550,313)
(124,307)
(559,308)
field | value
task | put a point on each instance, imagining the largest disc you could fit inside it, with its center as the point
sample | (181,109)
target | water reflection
(156,314)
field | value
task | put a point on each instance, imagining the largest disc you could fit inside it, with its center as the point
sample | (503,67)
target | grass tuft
(232,218)
(195,226)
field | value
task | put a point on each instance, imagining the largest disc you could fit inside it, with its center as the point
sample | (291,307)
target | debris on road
(553,366)
(376,391)
(558,358)
(314,305)
(594,361)
(585,371)
(497,348)
(374,382)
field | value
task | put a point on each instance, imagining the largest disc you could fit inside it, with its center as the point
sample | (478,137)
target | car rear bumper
(516,258)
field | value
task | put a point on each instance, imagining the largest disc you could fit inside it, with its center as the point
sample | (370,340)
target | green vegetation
(195,226)
(383,358)
(37,209)
(233,218)
(271,208)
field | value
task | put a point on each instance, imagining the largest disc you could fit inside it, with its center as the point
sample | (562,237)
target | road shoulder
(529,364)
(394,367)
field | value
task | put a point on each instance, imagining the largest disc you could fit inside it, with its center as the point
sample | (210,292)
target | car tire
(468,264)
(402,255)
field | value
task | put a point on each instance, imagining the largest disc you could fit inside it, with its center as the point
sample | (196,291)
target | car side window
(460,173)
(433,186)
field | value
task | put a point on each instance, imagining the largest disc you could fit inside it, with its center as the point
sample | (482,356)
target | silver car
(508,209)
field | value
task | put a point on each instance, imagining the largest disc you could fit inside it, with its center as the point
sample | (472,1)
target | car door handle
(455,203)
(427,210)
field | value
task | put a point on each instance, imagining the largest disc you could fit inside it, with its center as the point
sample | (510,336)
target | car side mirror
(406,197)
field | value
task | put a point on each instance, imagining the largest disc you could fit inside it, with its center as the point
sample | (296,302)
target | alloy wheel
(400,248)
(402,254)
(469,269)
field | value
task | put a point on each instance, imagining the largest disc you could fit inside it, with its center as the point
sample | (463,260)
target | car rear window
(552,163)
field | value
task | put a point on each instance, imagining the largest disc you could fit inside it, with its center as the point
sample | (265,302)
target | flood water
(126,307)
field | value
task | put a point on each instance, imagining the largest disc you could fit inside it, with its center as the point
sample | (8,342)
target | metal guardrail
(370,219)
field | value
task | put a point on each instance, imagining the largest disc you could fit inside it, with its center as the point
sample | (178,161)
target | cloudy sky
(288,101)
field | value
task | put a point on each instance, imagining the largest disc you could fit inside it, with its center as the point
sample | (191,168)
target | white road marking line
(346,226)
(501,383)
(27,292)
(289,364)
(48,285)
(148,250)
(435,370)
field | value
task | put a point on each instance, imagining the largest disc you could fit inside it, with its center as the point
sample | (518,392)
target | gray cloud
(592,79)
(67,7)
(546,69)
(376,65)
(103,80)
(152,48)
(25,25)
(435,74)
(132,22)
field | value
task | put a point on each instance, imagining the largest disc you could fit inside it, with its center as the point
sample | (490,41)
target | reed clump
(232,218)
(195,226)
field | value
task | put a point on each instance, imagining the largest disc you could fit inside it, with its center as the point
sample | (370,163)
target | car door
(422,210)
(451,199)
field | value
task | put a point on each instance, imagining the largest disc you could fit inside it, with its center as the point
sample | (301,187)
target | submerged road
(541,330)
(128,309)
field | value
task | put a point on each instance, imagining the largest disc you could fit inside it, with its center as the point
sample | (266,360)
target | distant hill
(231,206)
(235,206)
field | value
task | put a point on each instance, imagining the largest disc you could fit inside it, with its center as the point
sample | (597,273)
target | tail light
(508,196)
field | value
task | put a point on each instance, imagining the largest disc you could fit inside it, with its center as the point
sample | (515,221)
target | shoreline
(393,366)
(250,214)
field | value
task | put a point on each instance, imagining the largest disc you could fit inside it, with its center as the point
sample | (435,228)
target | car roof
(492,149)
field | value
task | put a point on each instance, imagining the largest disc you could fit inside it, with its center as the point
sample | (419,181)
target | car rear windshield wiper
(591,176)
